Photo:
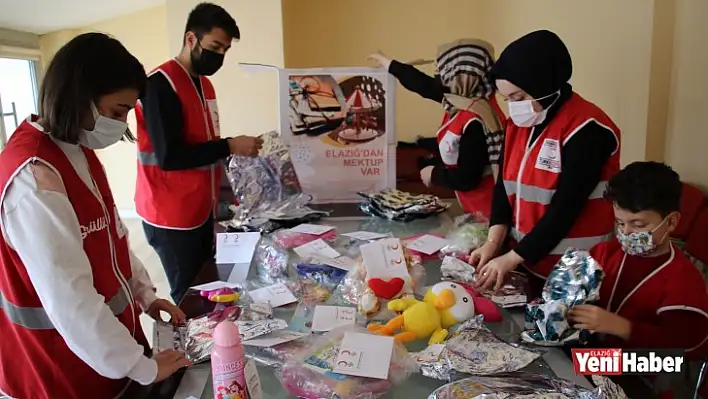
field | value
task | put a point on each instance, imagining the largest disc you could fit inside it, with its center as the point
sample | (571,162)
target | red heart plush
(386,289)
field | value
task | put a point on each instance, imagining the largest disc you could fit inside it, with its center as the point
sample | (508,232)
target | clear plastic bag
(470,232)
(353,290)
(310,376)
(271,262)
(277,355)
(317,281)
(291,239)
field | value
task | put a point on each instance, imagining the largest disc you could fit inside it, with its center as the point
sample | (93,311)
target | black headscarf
(538,63)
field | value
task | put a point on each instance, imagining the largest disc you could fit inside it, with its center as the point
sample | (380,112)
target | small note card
(214,285)
(316,248)
(342,262)
(365,235)
(314,229)
(364,355)
(275,338)
(236,247)
(385,259)
(277,295)
(327,318)
(253,381)
(427,244)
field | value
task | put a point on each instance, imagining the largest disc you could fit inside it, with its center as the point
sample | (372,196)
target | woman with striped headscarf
(471,134)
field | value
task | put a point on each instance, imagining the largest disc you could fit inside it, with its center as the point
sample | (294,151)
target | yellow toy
(444,305)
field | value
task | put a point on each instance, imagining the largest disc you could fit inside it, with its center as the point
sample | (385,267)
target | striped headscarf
(464,66)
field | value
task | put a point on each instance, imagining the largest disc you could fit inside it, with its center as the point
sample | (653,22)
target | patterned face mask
(640,243)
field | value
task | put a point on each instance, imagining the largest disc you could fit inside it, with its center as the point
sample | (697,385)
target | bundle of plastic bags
(401,206)
(575,280)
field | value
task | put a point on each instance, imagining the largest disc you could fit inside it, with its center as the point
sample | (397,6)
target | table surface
(196,381)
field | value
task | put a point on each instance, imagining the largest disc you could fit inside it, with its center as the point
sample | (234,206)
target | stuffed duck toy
(444,305)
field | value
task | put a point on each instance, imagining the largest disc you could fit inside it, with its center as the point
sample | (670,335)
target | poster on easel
(339,125)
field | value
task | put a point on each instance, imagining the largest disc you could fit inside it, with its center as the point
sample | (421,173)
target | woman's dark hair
(207,16)
(646,186)
(90,66)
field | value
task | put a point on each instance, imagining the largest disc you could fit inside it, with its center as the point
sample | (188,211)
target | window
(18,93)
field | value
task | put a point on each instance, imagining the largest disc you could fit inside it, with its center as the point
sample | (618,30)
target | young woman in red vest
(559,153)
(471,134)
(71,290)
(652,296)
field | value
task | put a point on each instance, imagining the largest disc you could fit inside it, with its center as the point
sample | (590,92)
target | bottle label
(229,380)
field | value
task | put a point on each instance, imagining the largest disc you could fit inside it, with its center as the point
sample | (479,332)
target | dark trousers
(182,253)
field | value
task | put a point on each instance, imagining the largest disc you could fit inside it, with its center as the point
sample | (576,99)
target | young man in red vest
(652,296)
(180,149)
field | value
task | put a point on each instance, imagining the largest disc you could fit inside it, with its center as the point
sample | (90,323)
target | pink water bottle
(228,361)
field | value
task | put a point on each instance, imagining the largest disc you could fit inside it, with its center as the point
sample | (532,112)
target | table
(196,381)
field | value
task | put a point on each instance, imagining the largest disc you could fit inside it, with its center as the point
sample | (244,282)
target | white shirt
(40,224)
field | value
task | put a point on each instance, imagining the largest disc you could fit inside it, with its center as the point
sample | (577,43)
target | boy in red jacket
(652,296)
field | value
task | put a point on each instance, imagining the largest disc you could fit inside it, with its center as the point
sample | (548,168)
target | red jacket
(449,134)
(180,199)
(675,285)
(531,177)
(35,362)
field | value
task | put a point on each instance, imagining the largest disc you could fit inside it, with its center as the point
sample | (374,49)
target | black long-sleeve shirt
(473,157)
(582,160)
(165,125)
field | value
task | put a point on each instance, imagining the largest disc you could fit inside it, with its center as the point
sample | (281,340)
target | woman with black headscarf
(470,136)
(559,153)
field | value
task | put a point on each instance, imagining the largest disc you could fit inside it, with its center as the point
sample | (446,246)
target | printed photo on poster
(338,127)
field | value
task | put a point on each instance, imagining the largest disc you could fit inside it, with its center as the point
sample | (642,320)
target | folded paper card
(364,355)
(277,295)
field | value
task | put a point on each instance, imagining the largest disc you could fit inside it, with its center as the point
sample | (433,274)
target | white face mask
(523,114)
(105,132)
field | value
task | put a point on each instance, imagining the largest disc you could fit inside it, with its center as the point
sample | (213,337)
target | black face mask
(205,62)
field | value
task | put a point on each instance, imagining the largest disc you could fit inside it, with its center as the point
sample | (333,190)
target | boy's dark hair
(207,16)
(646,186)
(90,66)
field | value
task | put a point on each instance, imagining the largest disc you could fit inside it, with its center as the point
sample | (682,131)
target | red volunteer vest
(35,362)
(531,177)
(180,199)
(673,286)
(478,199)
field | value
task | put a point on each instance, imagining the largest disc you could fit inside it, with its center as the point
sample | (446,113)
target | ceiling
(44,16)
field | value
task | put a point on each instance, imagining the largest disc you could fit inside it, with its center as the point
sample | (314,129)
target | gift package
(267,188)
(575,280)
(474,349)
(526,386)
